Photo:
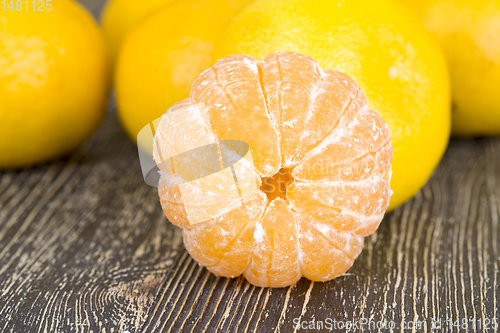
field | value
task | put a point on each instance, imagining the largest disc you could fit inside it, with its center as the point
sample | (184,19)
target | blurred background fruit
(121,15)
(162,56)
(54,82)
(469,33)
(379,44)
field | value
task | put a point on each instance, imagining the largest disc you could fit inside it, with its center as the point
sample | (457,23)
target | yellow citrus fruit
(54,82)
(121,15)
(162,56)
(383,48)
(469,34)
(314,182)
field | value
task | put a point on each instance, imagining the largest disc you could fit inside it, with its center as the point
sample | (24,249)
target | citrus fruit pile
(162,56)
(379,44)
(54,82)
(316,183)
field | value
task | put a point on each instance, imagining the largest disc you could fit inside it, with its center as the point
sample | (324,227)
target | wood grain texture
(85,247)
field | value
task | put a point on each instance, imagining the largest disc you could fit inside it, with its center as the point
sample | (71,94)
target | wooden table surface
(85,247)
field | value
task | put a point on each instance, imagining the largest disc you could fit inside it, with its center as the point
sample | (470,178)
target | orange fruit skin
(54,81)
(163,54)
(306,126)
(119,16)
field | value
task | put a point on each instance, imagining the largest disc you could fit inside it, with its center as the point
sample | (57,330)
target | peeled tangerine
(299,202)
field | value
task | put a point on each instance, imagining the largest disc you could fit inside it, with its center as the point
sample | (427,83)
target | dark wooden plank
(81,246)
(85,247)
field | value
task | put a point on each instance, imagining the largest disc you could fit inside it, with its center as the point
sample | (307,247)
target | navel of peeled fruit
(294,116)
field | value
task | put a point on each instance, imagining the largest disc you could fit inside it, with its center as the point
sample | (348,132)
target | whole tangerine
(314,183)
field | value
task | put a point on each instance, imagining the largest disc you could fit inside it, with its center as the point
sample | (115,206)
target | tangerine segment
(306,102)
(275,256)
(288,82)
(231,96)
(211,196)
(224,244)
(344,205)
(183,129)
(173,205)
(180,130)
(326,252)
(335,103)
(358,151)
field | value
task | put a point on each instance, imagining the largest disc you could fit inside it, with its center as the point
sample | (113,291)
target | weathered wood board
(85,247)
